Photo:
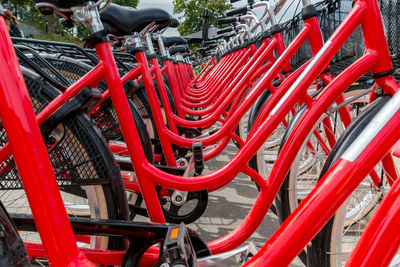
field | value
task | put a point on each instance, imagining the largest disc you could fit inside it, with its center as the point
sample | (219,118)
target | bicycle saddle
(126,20)
(173,40)
(174,23)
(63,3)
(178,49)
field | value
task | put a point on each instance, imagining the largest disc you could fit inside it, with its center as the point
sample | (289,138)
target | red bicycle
(361,6)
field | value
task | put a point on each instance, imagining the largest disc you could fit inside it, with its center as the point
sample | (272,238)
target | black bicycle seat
(174,23)
(173,40)
(178,49)
(64,3)
(126,20)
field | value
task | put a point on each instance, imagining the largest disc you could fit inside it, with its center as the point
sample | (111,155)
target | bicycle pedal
(198,159)
(178,249)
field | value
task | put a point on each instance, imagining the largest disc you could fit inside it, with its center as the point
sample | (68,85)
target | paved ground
(227,207)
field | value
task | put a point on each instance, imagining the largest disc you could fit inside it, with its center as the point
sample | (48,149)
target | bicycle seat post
(271,14)
(161,45)
(149,41)
(89,16)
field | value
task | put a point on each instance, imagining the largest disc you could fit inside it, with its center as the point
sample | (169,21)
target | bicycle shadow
(223,215)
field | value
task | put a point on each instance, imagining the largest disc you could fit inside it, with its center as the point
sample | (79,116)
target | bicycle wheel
(334,243)
(84,167)
(307,166)
(142,105)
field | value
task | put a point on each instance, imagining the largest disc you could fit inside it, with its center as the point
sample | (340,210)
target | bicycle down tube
(26,142)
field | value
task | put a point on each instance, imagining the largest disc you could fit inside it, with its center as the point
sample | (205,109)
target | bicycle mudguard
(257,106)
(354,130)
(85,100)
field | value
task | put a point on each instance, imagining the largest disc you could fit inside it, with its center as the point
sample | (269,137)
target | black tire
(142,105)
(170,95)
(171,98)
(243,127)
(319,252)
(282,200)
(254,112)
(83,165)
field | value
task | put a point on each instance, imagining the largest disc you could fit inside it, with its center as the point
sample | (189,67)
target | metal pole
(306,2)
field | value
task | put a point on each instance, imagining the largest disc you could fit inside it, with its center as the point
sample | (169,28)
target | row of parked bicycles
(95,139)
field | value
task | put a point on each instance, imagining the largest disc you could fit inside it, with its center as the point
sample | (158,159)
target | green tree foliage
(191,11)
(131,3)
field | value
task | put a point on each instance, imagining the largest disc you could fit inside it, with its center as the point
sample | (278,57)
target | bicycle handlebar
(225,30)
(209,43)
(226,20)
(237,11)
(230,35)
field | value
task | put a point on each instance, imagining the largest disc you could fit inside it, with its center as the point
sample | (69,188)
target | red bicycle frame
(239,85)
(106,69)
(362,13)
(205,70)
(36,173)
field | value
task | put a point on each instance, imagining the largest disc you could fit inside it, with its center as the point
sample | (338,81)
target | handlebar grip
(216,37)
(225,30)
(209,42)
(237,11)
(226,20)
(234,1)
(229,35)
